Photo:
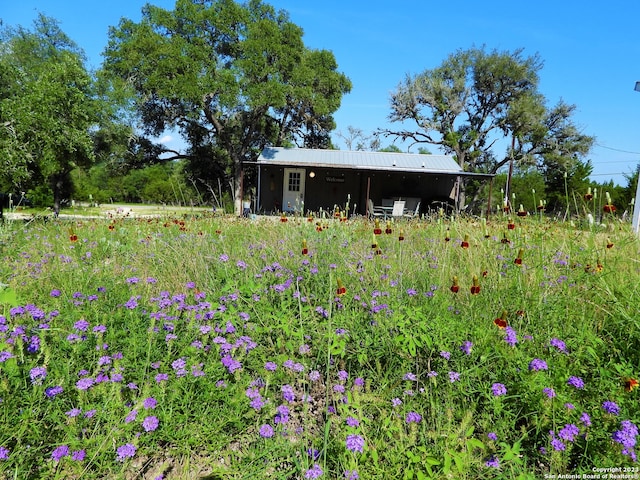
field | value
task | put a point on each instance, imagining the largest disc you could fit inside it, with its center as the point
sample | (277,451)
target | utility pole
(635,223)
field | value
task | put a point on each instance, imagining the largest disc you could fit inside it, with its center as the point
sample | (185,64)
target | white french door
(293,190)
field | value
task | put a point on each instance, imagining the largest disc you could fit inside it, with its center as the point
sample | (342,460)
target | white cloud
(166,139)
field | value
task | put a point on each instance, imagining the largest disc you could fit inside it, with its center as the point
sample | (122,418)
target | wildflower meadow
(214,347)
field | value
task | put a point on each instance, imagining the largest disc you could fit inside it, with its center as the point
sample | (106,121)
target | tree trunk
(238,177)
(57,192)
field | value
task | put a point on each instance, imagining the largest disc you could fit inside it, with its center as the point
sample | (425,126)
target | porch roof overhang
(364,161)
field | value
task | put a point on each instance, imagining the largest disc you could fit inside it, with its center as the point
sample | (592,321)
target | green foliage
(161,183)
(398,360)
(231,77)
(475,101)
(48,109)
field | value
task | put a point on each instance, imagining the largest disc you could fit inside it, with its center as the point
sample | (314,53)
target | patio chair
(398,208)
(413,213)
(375,212)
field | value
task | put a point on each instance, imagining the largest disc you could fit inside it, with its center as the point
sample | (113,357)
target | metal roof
(360,160)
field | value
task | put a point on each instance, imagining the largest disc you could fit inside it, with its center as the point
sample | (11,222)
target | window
(294,181)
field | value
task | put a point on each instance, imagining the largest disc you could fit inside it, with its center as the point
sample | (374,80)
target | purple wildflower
(498,389)
(626,437)
(466,347)
(446,355)
(510,336)
(5,355)
(576,382)
(131,416)
(454,377)
(352,422)
(257,403)
(410,377)
(549,392)
(396,402)
(81,325)
(4,453)
(557,445)
(85,383)
(492,436)
(51,392)
(493,462)
(537,364)
(314,472)
(559,344)
(178,364)
(231,364)
(38,374)
(149,403)
(288,394)
(266,431)
(611,407)
(585,419)
(78,455)
(34,344)
(569,432)
(351,475)
(150,423)
(270,366)
(283,414)
(60,452)
(413,417)
(125,451)
(355,443)
(132,303)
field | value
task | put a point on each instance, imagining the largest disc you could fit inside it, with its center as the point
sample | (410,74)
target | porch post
(366,209)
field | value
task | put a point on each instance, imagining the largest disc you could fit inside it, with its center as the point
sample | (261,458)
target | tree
(476,102)
(355,139)
(230,78)
(629,192)
(47,109)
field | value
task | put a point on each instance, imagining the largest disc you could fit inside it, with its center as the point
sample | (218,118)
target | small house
(302,180)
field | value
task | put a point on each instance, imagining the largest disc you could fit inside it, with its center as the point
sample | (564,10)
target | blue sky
(591,52)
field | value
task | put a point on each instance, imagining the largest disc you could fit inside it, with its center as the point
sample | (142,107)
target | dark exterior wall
(271,183)
(329,187)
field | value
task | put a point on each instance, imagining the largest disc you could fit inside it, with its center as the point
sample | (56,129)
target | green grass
(114,210)
(188,311)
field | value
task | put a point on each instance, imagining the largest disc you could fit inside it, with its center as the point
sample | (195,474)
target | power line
(607,174)
(600,162)
(616,149)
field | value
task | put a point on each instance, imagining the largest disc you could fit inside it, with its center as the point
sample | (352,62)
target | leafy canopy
(231,78)
(476,102)
(48,109)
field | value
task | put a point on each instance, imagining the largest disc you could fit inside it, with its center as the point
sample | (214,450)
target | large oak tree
(486,110)
(48,108)
(231,78)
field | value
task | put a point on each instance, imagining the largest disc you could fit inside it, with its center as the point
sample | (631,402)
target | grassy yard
(189,345)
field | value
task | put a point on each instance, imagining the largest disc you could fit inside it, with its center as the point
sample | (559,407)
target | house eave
(370,168)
